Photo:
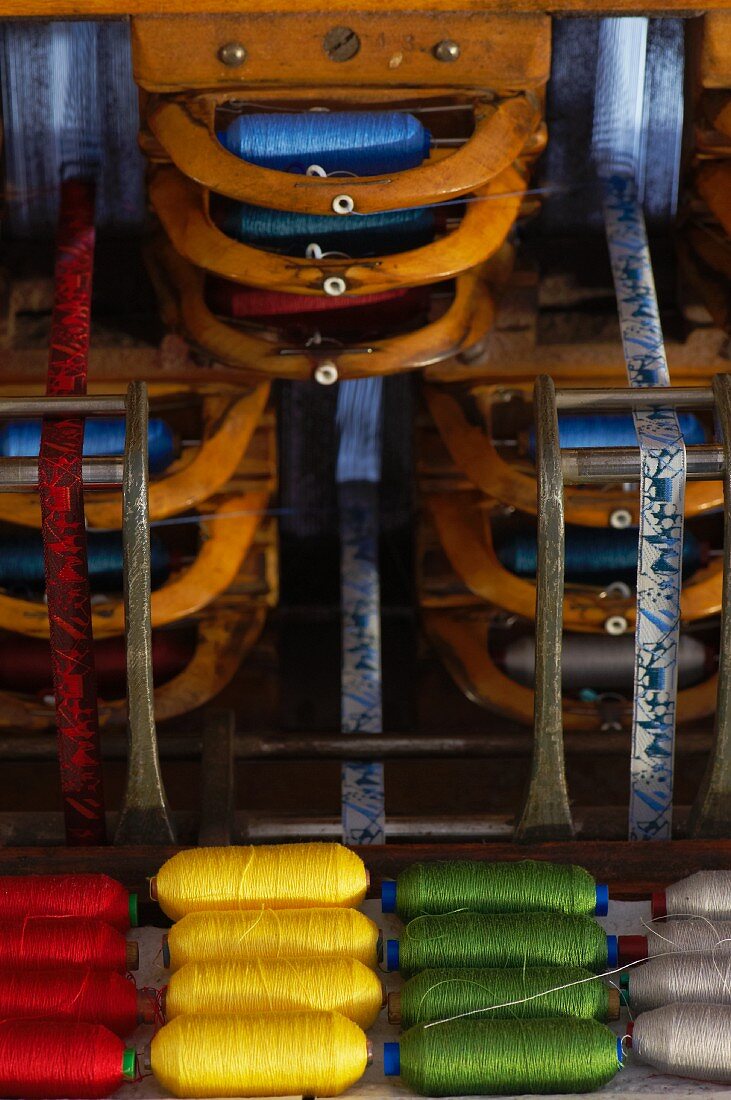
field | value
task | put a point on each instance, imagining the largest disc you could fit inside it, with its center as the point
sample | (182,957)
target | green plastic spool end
(129,1064)
(134,917)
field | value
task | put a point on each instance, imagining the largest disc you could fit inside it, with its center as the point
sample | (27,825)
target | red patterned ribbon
(64,532)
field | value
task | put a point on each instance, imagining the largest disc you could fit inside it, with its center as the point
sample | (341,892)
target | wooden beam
(632,870)
(94,9)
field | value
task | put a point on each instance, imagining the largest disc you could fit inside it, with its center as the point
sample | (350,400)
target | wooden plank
(716,50)
(75,9)
(632,870)
(504,54)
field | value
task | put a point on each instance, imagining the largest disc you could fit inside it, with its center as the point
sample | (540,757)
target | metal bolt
(616,624)
(341,43)
(326,373)
(334,285)
(232,54)
(343,204)
(446,50)
(620,518)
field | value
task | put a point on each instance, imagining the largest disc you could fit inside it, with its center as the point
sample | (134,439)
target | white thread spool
(704,894)
(693,936)
(686,1040)
(688,979)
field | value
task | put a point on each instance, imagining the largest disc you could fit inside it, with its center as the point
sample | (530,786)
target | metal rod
(677,397)
(546,814)
(470,745)
(711,812)
(20,475)
(145,817)
(586,466)
(78,405)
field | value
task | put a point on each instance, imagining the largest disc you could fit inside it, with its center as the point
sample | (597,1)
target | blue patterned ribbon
(662,501)
(362,783)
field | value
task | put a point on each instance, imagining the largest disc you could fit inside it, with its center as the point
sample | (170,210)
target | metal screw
(343,204)
(616,624)
(341,43)
(620,518)
(326,373)
(334,285)
(446,50)
(232,54)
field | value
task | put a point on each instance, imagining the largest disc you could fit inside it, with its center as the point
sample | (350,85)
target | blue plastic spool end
(620,1050)
(602,899)
(391,1059)
(612,952)
(388,896)
(392,953)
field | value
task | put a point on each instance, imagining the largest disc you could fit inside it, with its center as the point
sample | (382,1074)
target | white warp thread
(686,1040)
(697,935)
(688,979)
(704,894)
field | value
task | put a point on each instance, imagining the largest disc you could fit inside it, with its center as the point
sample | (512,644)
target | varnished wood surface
(631,869)
(95,8)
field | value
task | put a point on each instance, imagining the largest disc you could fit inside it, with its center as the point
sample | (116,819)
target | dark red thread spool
(59,943)
(240,301)
(81,996)
(52,1060)
(96,896)
(25,663)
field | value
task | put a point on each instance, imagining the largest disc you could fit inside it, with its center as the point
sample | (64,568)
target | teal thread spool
(519,993)
(505,1057)
(527,886)
(501,940)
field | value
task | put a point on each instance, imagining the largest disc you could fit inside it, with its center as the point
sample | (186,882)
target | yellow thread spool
(275,876)
(276,985)
(307,1053)
(272,934)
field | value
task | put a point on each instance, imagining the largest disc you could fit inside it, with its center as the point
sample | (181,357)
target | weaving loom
(405,335)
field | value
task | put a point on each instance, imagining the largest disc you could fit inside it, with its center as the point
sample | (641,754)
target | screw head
(616,625)
(232,54)
(447,50)
(620,518)
(326,373)
(341,43)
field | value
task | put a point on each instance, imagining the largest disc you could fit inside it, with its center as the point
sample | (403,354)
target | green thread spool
(528,886)
(501,940)
(530,993)
(505,1057)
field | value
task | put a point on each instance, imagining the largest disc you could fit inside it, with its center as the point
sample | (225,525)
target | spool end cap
(134,916)
(630,1031)
(602,899)
(392,1059)
(612,952)
(392,954)
(632,949)
(165,953)
(388,896)
(620,1051)
(129,1063)
(659,904)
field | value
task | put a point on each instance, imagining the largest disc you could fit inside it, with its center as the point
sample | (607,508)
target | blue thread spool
(21,560)
(366,235)
(102,436)
(613,430)
(592,557)
(359,143)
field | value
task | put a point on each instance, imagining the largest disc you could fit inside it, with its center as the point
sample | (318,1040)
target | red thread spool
(25,663)
(58,943)
(96,896)
(243,301)
(51,1060)
(81,996)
